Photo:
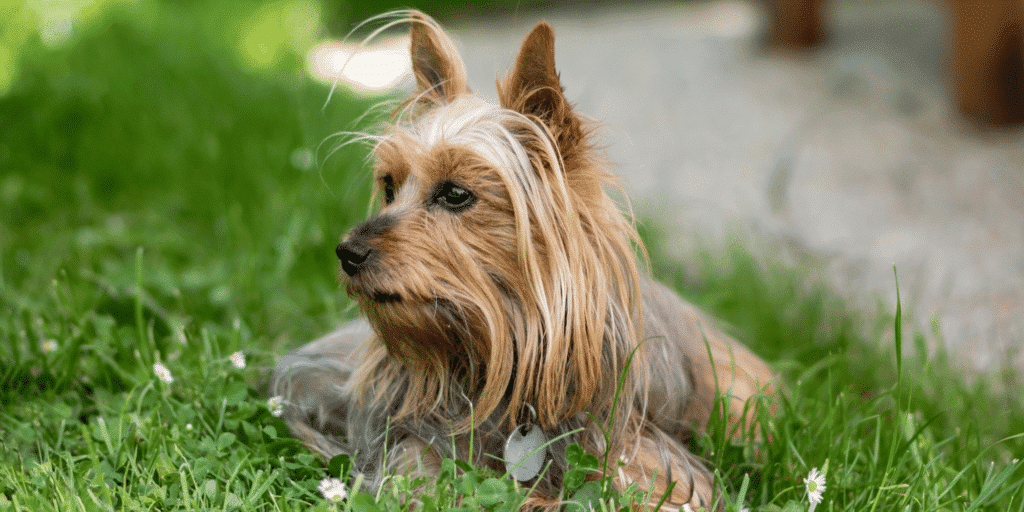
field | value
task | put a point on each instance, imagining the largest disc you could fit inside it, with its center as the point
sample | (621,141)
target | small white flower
(189,427)
(815,483)
(333,489)
(238,360)
(276,405)
(49,346)
(163,373)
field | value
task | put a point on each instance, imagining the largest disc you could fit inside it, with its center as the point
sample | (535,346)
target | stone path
(853,154)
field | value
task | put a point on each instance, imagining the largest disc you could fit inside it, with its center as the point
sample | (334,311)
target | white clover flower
(49,346)
(238,360)
(276,405)
(815,483)
(163,373)
(333,489)
(189,427)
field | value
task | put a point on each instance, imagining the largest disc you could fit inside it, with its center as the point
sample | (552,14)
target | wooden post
(988,60)
(796,23)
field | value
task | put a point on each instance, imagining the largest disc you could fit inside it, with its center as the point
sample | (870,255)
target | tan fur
(522,304)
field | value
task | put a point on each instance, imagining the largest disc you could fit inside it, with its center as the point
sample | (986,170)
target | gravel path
(852,155)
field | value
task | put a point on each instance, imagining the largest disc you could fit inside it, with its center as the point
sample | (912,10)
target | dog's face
(496,258)
(440,256)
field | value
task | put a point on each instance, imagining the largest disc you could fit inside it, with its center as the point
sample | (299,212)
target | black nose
(357,250)
(353,255)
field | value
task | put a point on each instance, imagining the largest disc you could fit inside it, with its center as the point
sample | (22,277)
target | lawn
(171,196)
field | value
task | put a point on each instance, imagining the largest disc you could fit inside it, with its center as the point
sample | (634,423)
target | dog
(503,302)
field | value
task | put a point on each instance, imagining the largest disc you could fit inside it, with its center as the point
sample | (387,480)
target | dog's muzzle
(356,251)
(353,256)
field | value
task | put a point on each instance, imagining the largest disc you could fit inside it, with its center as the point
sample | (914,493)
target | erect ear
(532,88)
(439,70)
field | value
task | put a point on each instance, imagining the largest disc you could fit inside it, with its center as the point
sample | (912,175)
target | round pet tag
(525,451)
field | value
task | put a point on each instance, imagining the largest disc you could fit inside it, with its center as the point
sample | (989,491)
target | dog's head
(497,268)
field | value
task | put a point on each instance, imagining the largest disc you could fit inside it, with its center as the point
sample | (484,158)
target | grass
(899,432)
(159,206)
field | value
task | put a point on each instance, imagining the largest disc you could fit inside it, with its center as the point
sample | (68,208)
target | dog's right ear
(532,88)
(440,73)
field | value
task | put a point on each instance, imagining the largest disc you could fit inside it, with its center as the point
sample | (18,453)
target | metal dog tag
(525,451)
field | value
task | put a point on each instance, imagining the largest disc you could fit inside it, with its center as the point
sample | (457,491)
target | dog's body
(500,288)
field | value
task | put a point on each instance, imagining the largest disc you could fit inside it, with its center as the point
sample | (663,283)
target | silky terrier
(505,314)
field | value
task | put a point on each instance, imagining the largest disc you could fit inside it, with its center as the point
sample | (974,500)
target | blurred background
(207,133)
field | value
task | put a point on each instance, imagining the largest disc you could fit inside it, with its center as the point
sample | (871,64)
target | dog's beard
(430,334)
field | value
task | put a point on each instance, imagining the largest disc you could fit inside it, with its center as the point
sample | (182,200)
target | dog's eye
(388,185)
(453,197)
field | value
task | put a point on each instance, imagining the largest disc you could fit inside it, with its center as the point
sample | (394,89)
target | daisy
(238,360)
(333,489)
(276,405)
(815,483)
(163,373)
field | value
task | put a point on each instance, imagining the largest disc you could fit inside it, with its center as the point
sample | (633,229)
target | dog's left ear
(439,70)
(532,88)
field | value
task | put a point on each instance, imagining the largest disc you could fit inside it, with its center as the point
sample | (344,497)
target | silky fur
(526,306)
